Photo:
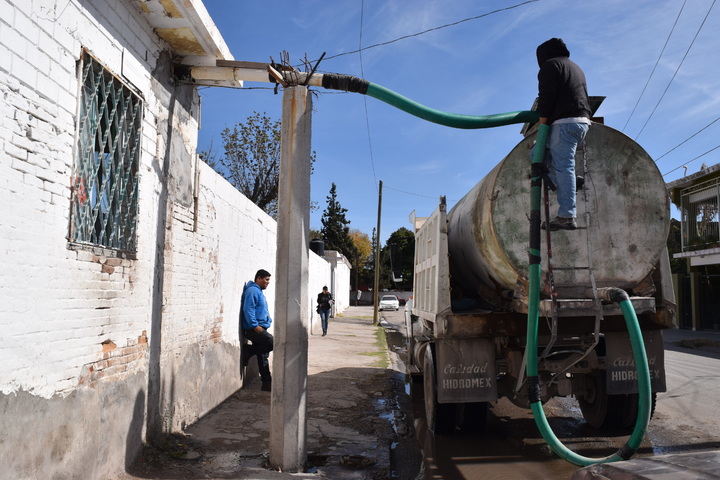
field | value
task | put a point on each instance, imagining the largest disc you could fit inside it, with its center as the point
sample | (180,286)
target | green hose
(636,340)
(353,84)
(449,119)
(348,83)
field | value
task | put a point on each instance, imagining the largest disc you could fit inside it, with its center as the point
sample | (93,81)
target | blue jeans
(560,157)
(324,314)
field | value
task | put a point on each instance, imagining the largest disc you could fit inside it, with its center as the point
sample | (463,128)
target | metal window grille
(105,193)
(699,222)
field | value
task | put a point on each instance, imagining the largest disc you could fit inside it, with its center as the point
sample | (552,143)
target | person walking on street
(563,104)
(255,320)
(324,301)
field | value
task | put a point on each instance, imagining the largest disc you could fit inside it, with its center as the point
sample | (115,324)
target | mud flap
(620,362)
(466,370)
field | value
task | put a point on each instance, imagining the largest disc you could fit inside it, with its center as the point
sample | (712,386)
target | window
(105,193)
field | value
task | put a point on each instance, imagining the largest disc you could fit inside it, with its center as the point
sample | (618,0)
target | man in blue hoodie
(563,104)
(255,320)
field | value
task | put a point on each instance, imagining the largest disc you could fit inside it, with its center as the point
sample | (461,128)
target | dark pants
(324,314)
(262,345)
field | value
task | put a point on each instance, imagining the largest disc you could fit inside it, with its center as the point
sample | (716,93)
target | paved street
(685,420)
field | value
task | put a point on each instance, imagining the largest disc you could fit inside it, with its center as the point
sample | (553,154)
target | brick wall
(85,332)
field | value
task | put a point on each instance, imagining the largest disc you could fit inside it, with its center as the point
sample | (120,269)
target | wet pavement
(366,419)
(356,428)
(511,447)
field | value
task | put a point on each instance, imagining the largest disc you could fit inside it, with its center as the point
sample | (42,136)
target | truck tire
(440,417)
(609,412)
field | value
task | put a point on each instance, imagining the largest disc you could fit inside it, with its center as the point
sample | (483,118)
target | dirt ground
(356,428)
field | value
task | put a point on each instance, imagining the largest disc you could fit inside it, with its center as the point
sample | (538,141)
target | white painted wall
(136,345)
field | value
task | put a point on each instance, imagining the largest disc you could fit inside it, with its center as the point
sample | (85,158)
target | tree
(252,159)
(335,229)
(363,249)
(397,260)
(674,245)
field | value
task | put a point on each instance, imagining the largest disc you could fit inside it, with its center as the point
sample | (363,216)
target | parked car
(389,302)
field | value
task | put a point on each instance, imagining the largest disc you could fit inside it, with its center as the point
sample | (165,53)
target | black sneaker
(579,182)
(562,223)
(266,386)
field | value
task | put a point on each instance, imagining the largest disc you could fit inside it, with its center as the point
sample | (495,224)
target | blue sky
(477,67)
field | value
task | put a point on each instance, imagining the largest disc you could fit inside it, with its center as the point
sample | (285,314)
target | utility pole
(376,286)
(288,407)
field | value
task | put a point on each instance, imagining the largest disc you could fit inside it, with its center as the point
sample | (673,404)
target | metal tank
(622,237)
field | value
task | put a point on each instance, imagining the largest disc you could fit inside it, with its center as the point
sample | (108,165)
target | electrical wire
(686,140)
(690,161)
(656,64)
(416,194)
(367,117)
(677,69)
(360,49)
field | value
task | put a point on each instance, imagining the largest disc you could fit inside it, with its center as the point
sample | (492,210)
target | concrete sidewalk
(353,419)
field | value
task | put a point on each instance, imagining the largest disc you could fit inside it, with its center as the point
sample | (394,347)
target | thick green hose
(449,119)
(636,340)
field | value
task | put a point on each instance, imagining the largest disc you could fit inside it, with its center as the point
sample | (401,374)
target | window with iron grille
(105,193)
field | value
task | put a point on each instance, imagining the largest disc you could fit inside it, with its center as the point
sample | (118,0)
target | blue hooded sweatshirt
(253,308)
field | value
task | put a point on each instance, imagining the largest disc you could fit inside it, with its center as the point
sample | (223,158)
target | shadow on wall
(134,440)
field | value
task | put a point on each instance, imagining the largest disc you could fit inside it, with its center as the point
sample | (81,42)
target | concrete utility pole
(288,406)
(376,284)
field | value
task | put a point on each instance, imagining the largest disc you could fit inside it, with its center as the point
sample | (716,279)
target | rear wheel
(609,411)
(440,417)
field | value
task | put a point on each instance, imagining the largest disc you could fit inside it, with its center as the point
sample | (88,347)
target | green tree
(251,160)
(674,245)
(363,250)
(397,260)
(335,227)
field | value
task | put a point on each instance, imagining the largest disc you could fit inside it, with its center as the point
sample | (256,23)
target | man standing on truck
(563,104)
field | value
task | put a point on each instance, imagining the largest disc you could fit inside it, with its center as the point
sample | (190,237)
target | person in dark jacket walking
(255,320)
(324,305)
(563,104)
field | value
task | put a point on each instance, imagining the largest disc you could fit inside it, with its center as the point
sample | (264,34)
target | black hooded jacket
(562,90)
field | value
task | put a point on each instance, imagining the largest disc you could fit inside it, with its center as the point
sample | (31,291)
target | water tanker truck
(467,325)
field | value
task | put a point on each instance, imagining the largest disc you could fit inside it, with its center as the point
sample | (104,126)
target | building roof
(693,178)
(188,29)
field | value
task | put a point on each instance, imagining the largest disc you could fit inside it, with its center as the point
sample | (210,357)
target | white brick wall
(77,325)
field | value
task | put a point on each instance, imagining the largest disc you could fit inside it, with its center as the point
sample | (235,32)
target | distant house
(698,198)
(123,255)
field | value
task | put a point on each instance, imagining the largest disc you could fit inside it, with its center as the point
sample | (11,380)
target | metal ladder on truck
(555,307)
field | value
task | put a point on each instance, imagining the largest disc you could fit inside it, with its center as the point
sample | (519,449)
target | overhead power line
(677,69)
(362,74)
(417,194)
(685,141)
(431,30)
(690,161)
(656,64)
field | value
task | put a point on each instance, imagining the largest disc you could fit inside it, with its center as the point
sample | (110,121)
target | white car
(389,302)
